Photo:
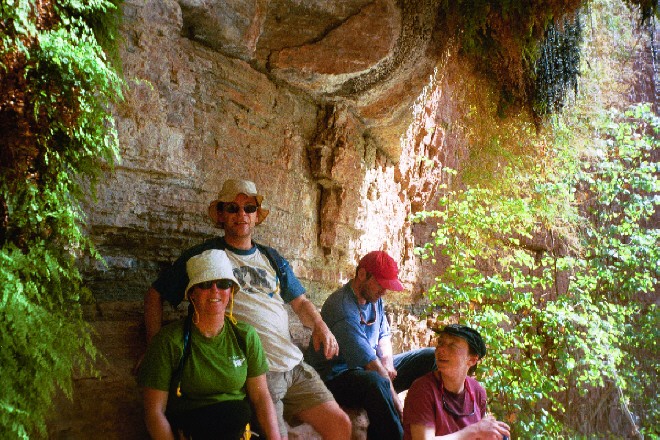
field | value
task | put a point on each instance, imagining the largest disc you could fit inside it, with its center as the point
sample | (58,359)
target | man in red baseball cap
(366,374)
(383,268)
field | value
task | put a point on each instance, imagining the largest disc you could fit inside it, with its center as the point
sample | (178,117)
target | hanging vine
(58,134)
(530,50)
(558,67)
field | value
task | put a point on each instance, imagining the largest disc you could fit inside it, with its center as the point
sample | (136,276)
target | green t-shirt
(215,371)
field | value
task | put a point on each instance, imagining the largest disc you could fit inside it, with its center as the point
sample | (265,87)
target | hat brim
(393,285)
(262,213)
(210,265)
(230,197)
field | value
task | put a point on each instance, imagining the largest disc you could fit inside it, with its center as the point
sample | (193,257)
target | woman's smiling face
(211,298)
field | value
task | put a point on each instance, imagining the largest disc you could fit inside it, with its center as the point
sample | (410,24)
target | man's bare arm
(311,318)
(387,358)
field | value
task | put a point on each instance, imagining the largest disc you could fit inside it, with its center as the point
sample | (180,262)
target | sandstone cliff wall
(193,116)
(337,184)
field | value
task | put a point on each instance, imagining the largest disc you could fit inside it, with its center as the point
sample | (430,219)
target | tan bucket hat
(208,266)
(230,189)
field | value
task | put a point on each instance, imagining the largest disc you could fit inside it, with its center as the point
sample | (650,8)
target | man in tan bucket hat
(230,190)
(267,284)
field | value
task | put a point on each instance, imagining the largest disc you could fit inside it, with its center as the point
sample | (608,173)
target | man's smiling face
(239,224)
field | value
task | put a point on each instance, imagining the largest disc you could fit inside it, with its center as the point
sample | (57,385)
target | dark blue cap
(471,336)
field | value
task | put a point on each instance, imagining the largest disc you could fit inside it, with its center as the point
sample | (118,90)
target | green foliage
(65,88)
(557,265)
(102,17)
(624,251)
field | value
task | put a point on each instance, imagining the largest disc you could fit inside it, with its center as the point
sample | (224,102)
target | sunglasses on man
(234,208)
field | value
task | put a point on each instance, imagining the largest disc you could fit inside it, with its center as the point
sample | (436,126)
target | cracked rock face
(309,99)
(373,56)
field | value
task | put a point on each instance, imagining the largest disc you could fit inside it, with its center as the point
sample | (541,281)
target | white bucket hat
(230,189)
(208,266)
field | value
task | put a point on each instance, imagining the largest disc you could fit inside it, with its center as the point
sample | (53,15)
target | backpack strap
(281,275)
(187,331)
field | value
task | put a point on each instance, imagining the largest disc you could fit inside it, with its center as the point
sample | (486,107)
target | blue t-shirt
(172,282)
(358,342)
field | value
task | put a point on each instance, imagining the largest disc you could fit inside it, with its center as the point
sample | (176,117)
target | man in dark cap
(448,401)
(366,374)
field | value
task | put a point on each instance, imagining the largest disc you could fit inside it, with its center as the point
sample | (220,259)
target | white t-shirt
(259,304)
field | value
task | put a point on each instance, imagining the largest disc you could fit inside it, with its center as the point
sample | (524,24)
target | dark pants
(220,421)
(367,389)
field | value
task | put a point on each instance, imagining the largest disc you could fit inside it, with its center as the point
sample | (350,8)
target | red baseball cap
(383,268)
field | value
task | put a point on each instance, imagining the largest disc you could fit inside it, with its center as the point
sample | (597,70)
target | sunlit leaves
(557,267)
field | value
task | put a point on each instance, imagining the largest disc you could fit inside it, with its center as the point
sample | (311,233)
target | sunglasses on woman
(234,208)
(222,284)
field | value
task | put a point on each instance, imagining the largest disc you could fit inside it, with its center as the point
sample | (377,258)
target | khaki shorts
(296,390)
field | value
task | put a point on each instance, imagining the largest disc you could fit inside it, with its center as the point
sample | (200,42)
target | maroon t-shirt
(424,406)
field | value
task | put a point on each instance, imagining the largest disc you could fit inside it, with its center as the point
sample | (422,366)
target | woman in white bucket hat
(197,373)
